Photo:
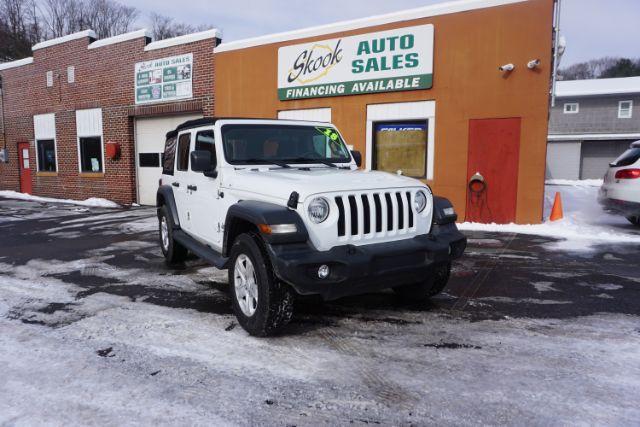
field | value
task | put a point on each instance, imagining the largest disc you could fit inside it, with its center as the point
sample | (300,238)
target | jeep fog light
(318,210)
(324,271)
(420,201)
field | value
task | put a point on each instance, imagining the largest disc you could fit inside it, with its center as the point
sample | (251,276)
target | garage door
(150,138)
(596,156)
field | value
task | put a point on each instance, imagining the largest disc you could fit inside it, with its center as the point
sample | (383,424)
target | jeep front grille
(381,213)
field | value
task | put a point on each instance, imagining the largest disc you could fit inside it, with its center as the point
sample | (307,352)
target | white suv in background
(620,191)
(284,207)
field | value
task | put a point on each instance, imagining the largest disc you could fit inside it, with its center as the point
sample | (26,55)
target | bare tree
(164,27)
(592,69)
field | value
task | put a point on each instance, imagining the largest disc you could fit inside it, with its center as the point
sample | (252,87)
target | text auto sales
(307,64)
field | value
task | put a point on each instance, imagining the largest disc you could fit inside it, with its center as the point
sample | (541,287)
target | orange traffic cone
(556,211)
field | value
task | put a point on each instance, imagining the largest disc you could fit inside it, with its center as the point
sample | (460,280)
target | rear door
(494,153)
(180,180)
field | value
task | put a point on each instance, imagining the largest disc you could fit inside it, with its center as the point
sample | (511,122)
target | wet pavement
(522,334)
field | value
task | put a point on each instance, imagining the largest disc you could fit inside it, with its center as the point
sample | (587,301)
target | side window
(90,154)
(169,156)
(205,141)
(46,150)
(183,152)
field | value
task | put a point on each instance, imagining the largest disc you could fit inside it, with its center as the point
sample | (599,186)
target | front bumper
(360,269)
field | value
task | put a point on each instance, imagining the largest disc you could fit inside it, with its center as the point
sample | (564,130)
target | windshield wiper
(306,160)
(268,162)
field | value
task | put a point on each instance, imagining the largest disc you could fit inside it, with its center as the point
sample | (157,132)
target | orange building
(456,94)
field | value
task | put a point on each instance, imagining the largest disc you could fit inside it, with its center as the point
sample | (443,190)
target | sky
(593,28)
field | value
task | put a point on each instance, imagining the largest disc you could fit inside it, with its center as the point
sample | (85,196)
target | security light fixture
(506,67)
(534,63)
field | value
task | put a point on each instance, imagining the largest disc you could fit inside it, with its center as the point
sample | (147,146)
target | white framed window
(44,129)
(420,111)
(625,109)
(311,114)
(571,108)
(49,78)
(90,141)
(71,74)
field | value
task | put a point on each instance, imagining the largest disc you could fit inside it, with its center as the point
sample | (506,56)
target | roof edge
(17,63)
(187,38)
(592,136)
(121,38)
(63,39)
(355,24)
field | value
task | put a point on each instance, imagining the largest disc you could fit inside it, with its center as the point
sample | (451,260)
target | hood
(279,183)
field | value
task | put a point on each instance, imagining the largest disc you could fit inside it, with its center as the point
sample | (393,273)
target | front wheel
(262,304)
(635,220)
(431,286)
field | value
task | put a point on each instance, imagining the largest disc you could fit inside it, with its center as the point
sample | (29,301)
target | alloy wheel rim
(246,285)
(164,233)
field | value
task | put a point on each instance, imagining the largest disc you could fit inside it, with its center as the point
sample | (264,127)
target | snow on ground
(95,329)
(94,202)
(576,182)
(585,223)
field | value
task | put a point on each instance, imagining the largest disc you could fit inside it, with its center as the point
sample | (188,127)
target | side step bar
(202,251)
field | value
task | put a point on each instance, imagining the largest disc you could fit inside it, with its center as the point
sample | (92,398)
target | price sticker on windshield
(329,133)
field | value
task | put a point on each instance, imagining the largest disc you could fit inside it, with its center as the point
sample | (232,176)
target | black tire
(274,307)
(432,286)
(635,220)
(173,251)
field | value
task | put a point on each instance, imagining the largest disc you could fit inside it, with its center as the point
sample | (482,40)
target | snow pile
(585,223)
(576,183)
(93,202)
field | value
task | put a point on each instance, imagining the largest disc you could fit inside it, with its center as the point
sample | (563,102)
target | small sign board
(164,79)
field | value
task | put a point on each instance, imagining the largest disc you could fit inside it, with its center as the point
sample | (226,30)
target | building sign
(164,79)
(388,61)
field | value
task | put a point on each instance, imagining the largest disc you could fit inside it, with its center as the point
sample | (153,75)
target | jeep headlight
(420,201)
(318,210)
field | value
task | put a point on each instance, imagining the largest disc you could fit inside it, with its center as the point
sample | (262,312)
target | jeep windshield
(283,144)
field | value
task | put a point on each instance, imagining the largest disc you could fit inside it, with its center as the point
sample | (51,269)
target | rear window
(169,156)
(627,158)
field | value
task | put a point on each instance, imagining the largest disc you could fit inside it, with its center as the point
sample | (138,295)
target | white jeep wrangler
(283,206)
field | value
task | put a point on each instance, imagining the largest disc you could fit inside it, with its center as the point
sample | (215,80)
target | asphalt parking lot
(95,329)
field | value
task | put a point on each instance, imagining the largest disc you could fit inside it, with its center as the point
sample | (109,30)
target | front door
(25,167)
(492,170)
(206,201)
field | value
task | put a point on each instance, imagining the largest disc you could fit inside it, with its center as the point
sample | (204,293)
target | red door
(25,167)
(492,171)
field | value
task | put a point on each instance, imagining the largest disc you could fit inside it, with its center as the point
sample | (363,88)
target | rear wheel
(173,251)
(635,220)
(262,304)
(431,286)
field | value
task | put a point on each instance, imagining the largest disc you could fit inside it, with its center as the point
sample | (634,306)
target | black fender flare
(257,213)
(439,205)
(165,197)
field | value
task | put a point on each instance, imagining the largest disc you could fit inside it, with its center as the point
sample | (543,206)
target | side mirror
(201,162)
(357,157)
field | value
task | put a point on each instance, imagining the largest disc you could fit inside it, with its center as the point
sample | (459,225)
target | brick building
(79,100)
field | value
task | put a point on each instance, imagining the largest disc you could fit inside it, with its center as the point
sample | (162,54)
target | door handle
(192,187)
(175,184)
